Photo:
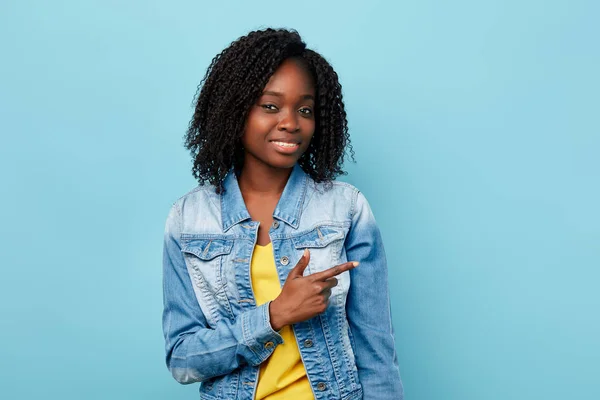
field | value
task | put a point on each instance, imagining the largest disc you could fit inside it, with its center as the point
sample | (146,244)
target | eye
(269,107)
(306,111)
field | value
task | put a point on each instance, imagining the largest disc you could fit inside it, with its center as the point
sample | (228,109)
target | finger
(331,272)
(330,283)
(326,294)
(298,270)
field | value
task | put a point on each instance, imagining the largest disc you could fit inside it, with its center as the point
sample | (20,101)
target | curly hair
(235,80)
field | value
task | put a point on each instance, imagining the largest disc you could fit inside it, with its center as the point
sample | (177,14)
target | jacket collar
(289,207)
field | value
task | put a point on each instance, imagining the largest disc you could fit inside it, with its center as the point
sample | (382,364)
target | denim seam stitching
(246,334)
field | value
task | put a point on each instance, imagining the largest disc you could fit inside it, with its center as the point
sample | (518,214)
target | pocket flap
(207,249)
(320,236)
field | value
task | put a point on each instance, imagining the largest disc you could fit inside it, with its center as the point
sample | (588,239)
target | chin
(274,159)
(283,163)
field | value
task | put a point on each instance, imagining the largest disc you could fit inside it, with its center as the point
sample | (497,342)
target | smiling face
(280,125)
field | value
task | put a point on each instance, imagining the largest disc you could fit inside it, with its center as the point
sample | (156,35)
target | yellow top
(282,375)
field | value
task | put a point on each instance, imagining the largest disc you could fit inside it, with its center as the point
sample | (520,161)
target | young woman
(275,277)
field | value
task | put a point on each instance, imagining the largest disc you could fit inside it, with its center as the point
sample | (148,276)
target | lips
(285,146)
(285,141)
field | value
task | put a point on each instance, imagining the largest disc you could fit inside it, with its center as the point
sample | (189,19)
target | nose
(289,122)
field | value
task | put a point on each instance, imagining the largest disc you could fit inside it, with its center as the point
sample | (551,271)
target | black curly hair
(235,80)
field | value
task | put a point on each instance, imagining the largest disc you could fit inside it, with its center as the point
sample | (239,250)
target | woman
(264,297)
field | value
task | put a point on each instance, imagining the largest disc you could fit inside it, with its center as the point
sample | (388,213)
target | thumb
(298,270)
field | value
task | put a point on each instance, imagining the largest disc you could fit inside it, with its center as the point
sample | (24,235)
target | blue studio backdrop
(477,138)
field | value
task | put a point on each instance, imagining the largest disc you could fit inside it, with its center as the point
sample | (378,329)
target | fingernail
(305,252)
(355,263)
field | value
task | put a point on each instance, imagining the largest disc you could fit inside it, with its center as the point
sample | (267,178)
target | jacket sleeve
(368,308)
(194,351)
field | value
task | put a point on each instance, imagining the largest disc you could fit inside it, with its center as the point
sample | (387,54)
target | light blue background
(476,129)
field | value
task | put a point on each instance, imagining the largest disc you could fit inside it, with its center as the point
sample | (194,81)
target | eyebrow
(306,96)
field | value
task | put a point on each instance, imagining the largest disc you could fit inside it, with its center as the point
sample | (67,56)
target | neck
(258,177)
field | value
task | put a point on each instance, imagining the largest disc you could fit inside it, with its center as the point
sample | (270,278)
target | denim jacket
(216,334)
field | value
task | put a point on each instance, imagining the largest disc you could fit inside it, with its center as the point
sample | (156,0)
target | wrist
(275,317)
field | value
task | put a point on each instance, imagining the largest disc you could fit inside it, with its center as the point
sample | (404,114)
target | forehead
(292,76)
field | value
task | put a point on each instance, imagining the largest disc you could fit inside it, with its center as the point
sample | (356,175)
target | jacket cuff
(259,336)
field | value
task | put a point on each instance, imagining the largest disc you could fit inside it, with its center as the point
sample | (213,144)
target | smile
(287,145)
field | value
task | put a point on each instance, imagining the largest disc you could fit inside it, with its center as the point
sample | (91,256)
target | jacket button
(275,224)
(321,386)
(308,343)
(285,260)
(269,345)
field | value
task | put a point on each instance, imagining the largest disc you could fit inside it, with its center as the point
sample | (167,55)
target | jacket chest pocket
(205,258)
(325,244)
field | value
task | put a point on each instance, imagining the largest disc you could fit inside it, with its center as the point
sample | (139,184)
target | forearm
(377,366)
(202,353)
(374,344)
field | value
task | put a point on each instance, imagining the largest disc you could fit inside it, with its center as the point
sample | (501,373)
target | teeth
(283,144)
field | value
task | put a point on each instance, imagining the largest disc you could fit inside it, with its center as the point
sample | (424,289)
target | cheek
(308,124)
(306,141)
(259,123)
(308,128)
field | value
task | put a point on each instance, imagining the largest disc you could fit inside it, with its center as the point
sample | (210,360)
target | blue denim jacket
(215,333)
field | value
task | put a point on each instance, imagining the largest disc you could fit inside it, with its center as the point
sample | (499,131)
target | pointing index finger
(331,272)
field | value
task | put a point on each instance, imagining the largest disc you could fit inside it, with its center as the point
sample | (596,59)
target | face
(281,124)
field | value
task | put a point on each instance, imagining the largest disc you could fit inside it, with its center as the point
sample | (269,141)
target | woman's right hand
(303,297)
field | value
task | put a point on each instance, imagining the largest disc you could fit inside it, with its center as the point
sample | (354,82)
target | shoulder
(335,195)
(334,188)
(199,193)
(201,196)
(196,211)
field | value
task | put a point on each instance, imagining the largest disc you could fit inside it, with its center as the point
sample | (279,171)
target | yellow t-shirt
(282,375)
